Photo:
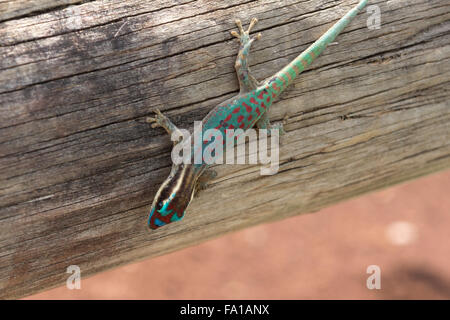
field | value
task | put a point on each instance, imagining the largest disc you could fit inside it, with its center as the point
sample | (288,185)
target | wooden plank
(11,9)
(79,167)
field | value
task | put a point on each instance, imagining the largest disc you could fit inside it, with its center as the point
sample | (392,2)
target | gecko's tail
(286,75)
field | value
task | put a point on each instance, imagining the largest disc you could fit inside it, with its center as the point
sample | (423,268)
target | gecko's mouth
(161,218)
(165,212)
(170,210)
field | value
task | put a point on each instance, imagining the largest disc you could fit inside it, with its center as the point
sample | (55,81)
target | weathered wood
(79,167)
(10,9)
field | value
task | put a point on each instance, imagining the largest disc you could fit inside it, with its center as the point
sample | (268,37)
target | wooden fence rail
(79,167)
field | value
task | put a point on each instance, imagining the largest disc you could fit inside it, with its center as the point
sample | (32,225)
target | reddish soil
(404,230)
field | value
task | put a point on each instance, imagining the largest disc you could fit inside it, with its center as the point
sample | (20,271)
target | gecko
(248,108)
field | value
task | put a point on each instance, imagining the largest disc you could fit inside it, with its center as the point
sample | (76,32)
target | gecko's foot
(202,182)
(279,126)
(200,186)
(209,174)
(206,176)
(161,120)
(243,35)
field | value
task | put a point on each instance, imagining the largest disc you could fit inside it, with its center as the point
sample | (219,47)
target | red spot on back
(257,111)
(263,105)
(228,118)
(273,95)
(274,86)
(240,118)
(268,99)
(237,109)
(230,126)
(252,100)
(247,107)
(249,118)
(261,95)
(242,125)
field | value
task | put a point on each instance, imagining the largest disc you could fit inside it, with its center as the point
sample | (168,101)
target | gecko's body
(248,108)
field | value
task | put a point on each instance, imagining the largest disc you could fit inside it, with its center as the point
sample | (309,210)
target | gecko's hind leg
(247,82)
(161,120)
(264,123)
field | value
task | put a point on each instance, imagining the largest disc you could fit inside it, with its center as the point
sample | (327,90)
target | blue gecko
(247,109)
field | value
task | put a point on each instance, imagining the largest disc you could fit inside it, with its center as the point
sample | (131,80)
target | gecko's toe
(158,112)
(239,25)
(235,34)
(153,121)
(252,24)
(258,36)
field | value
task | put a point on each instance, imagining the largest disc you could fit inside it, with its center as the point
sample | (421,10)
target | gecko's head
(173,197)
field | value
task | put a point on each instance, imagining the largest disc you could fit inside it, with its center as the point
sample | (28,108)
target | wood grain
(79,167)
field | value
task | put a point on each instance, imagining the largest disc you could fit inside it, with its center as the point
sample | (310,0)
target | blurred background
(405,230)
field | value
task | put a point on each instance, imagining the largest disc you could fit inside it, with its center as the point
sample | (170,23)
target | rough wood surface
(79,167)
(13,9)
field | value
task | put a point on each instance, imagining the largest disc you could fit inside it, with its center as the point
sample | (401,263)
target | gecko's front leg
(161,120)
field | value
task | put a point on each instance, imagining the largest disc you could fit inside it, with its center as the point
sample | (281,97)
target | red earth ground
(405,230)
